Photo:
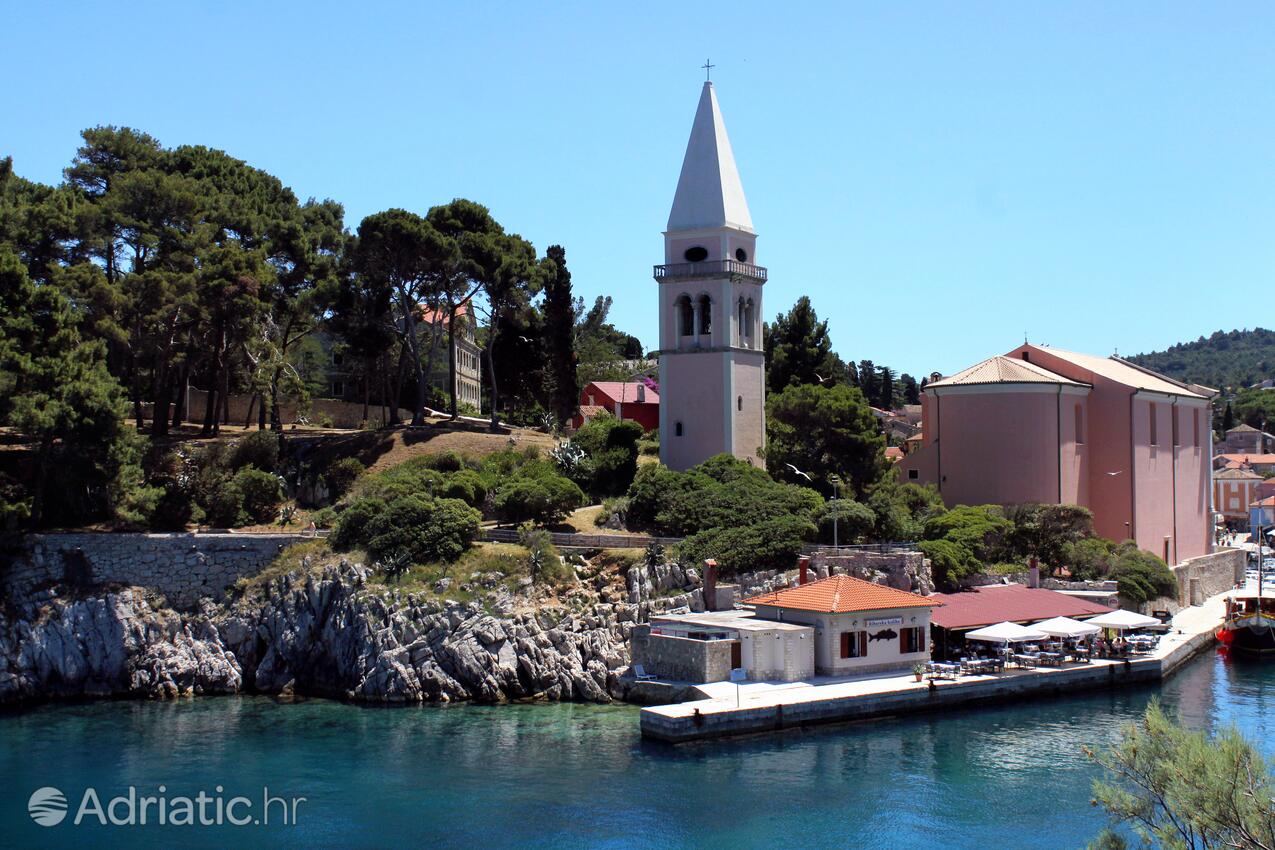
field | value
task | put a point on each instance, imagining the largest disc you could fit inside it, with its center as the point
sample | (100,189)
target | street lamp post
(836,482)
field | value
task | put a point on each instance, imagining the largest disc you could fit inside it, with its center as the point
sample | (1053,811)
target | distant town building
(1233,491)
(712,367)
(1262,514)
(1262,464)
(631,400)
(1245,439)
(1050,426)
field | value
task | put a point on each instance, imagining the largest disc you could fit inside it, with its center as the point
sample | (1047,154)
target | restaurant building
(977,607)
(859,627)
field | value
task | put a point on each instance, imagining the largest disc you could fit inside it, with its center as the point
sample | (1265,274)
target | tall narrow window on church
(705,315)
(685,316)
(1195,427)
(739,403)
(748,318)
(1173,412)
(677,429)
(743,328)
(1080,425)
(1155,441)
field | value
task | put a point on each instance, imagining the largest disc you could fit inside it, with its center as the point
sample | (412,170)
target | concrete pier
(756,707)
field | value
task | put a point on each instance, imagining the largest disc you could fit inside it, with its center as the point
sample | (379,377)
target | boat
(1249,624)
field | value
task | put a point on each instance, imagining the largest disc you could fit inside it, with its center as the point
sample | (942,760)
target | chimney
(641,393)
(1033,572)
(803,569)
(710,584)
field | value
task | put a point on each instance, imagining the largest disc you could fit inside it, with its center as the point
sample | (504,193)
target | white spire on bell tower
(712,365)
(709,192)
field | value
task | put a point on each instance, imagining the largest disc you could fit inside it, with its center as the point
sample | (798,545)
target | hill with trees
(1225,360)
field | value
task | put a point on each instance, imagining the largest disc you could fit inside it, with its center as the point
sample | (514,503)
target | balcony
(710,268)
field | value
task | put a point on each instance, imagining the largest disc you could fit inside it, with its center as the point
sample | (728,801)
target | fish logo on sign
(885,634)
(47,806)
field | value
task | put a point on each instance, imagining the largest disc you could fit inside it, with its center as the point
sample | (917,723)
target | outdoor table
(944,670)
(1051,659)
(1080,655)
(1024,659)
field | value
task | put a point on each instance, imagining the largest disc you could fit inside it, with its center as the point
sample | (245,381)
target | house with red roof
(859,626)
(637,401)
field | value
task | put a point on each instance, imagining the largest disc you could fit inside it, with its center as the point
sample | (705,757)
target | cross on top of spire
(708,67)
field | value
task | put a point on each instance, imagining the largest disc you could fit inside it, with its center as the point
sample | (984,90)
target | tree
(403,253)
(1228,418)
(559,332)
(799,351)
(911,393)
(823,431)
(1177,788)
(869,380)
(885,395)
(59,393)
(511,283)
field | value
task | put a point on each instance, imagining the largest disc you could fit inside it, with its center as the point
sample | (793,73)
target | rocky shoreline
(327,631)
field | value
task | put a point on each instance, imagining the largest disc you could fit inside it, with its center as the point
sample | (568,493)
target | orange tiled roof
(1259,459)
(893,453)
(840,595)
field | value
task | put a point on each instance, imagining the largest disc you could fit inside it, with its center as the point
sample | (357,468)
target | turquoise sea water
(568,776)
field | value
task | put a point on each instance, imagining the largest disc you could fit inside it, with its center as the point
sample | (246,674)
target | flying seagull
(1114,474)
(822,379)
(799,472)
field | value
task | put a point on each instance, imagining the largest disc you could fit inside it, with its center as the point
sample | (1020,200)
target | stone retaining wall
(183,567)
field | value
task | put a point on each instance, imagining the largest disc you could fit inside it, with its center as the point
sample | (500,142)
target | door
(736,655)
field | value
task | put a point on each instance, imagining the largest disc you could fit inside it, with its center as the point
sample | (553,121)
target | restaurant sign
(886,621)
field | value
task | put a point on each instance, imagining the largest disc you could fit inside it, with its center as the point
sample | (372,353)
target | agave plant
(653,556)
(567,455)
(286,515)
(393,566)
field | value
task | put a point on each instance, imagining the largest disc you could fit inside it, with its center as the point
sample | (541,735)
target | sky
(939,178)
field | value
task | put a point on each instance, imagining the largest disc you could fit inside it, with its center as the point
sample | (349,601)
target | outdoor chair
(639,672)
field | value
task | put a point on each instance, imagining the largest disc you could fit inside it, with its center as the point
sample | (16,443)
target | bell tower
(712,368)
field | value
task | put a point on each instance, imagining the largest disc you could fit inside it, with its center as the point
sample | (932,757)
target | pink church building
(1044,425)
(712,366)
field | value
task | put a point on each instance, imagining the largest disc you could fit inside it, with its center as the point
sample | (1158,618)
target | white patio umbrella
(1122,621)
(1006,633)
(1066,627)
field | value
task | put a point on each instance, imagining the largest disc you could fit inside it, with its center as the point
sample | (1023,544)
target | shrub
(1141,575)
(949,561)
(614,513)
(351,525)
(854,521)
(722,492)
(611,449)
(259,449)
(225,506)
(341,476)
(262,493)
(325,518)
(466,485)
(771,544)
(543,499)
(422,529)
(544,563)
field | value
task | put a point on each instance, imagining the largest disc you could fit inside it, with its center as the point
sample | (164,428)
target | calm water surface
(569,776)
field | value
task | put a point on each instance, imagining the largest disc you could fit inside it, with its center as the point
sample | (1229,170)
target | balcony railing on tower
(710,268)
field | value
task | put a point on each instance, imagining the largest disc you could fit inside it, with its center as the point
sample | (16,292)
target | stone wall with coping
(183,567)
(681,659)
(1205,576)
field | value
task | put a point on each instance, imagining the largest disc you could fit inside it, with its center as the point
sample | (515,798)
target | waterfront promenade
(756,707)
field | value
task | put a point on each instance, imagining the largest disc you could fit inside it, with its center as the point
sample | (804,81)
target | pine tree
(911,394)
(799,350)
(885,389)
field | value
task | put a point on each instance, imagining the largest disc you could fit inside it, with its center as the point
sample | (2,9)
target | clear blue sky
(937,177)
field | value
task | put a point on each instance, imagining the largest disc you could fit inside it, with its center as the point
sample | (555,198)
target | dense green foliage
(814,432)
(418,528)
(1225,360)
(340,476)
(154,269)
(609,448)
(1255,407)
(772,544)
(1183,789)
(798,350)
(541,499)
